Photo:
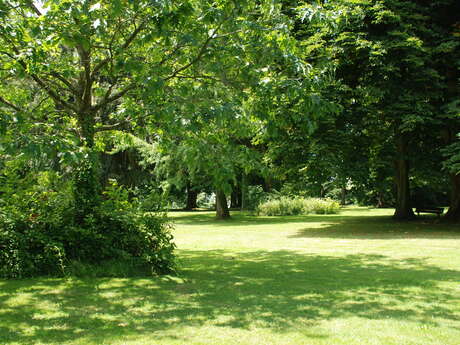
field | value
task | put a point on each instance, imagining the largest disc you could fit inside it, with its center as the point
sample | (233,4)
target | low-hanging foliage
(286,206)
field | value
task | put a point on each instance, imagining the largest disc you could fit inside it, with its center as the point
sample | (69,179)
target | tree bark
(380,203)
(235,201)
(86,187)
(343,196)
(244,191)
(403,209)
(453,127)
(222,211)
(267,185)
(192,196)
(453,214)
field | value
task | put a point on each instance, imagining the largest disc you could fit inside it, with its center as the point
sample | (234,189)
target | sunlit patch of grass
(353,278)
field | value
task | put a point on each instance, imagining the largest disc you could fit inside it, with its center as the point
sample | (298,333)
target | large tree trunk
(450,136)
(403,206)
(222,211)
(192,196)
(453,214)
(86,188)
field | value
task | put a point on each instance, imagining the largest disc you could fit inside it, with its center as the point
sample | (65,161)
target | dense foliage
(38,234)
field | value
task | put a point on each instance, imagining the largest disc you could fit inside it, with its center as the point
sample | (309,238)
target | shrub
(255,196)
(39,234)
(285,206)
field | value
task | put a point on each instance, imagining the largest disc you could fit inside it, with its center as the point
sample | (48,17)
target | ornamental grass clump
(286,206)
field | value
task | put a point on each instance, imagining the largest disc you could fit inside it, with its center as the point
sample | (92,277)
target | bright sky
(39,5)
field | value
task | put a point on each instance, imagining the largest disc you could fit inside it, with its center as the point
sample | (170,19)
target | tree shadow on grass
(241,219)
(337,226)
(280,290)
(379,228)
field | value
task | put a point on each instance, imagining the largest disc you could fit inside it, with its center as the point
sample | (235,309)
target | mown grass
(353,278)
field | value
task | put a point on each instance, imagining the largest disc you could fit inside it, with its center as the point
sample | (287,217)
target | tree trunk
(222,211)
(235,201)
(403,206)
(453,214)
(267,185)
(380,203)
(244,191)
(192,196)
(343,196)
(86,187)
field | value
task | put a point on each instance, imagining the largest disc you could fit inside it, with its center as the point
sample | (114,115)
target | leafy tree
(384,52)
(102,63)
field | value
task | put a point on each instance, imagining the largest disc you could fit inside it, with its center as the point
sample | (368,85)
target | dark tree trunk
(222,211)
(343,196)
(235,201)
(380,203)
(453,214)
(244,191)
(322,191)
(86,188)
(267,185)
(403,206)
(192,196)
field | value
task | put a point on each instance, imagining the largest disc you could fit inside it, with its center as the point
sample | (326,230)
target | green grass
(353,278)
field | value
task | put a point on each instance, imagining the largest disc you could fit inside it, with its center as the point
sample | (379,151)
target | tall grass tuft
(286,206)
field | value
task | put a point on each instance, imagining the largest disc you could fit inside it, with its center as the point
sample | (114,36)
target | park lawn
(353,278)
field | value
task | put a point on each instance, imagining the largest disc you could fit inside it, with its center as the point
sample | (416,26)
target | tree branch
(200,54)
(65,81)
(34,8)
(109,99)
(118,125)
(36,78)
(125,45)
(9,104)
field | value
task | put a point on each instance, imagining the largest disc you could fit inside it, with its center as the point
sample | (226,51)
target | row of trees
(358,94)
(392,68)
(367,103)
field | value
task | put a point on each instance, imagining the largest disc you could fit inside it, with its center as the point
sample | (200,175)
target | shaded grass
(355,278)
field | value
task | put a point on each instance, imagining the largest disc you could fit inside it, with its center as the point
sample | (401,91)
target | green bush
(40,236)
(285,206)
(255,196)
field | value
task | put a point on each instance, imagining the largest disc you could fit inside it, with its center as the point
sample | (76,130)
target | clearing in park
(353,278)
